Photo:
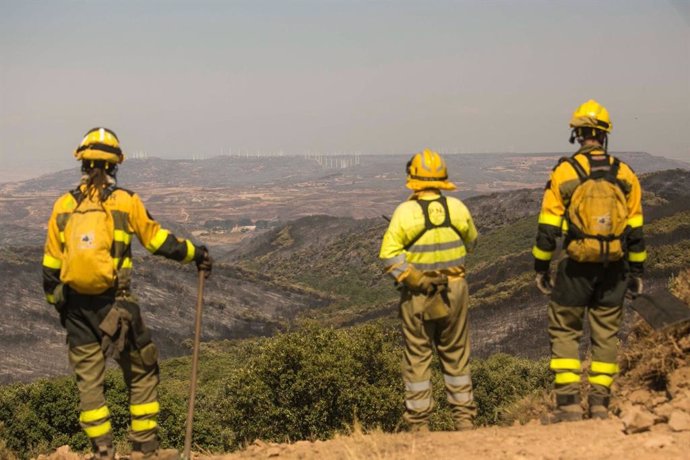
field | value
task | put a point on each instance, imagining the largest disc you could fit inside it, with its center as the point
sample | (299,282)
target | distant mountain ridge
(195,195)
(231,171)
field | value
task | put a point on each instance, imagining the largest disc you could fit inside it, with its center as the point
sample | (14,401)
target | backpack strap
(109,191)
(600,167)
(613,176)
(428,225)
(78,195)
(579,170)
(603,168)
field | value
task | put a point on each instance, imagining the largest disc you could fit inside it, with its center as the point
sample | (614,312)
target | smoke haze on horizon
(177,78)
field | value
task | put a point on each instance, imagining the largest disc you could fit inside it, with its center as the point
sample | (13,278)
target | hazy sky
(187,78)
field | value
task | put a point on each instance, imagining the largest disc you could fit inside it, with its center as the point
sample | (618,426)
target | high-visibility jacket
(557,194)
(129,217)
(409,240)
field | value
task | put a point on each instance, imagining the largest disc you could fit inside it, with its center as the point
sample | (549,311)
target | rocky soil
(587,439)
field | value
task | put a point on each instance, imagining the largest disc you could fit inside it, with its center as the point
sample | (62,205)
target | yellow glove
(419,281)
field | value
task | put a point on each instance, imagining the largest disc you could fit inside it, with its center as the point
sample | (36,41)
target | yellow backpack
(88,266)
(597,214)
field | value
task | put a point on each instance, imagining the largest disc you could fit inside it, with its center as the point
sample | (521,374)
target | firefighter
(594,199)
(424,250)
(87,268)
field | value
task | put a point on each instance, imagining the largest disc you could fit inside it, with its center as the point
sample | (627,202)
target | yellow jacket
(129,218)
(438,244)
(559,189)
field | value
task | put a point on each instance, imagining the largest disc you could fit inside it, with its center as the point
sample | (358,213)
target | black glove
(204,262)
(544,283)
(635,285)
(60,297)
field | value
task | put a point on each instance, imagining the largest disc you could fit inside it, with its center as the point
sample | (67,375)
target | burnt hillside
(507,312)
(326,268)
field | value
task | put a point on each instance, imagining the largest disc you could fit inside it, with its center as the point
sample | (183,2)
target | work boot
(158,454)
(103,452)
(598,407)
(150,451)
(568,409)
(570,413)
(464,424)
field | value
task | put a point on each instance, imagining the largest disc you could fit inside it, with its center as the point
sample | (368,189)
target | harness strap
(428,225)
(579,170)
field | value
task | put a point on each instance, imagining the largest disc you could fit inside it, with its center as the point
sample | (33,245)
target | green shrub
(308,384)
(40,416)
(501,380)
(313,383)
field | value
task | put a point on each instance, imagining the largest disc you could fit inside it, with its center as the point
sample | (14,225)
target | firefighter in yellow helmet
(424,250)
(594,200)
(87,268)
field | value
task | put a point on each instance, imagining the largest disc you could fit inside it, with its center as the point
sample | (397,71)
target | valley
(297,245)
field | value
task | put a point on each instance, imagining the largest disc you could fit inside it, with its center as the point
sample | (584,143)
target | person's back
(87,269)
(432,242)
(594,199)
(424,250)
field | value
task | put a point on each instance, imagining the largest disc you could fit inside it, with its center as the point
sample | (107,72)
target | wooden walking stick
(195,363)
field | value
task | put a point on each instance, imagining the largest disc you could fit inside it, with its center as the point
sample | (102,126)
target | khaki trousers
(139,364)
(450,337)
(595,291)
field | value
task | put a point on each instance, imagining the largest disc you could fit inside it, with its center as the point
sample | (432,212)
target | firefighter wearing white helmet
(87,268)
(424,250)
(594,200)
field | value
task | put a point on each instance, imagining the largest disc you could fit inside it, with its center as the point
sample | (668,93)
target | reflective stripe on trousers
(458,389)
(601,373)
(144,416)
(567,370)
(418,395)
(95,422)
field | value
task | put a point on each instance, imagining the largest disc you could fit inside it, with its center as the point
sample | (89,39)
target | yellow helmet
(100,144)
(428,170)
(591,114)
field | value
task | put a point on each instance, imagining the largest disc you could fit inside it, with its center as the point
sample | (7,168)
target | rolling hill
(325,268)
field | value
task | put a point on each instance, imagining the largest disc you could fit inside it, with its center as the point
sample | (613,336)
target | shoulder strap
(77,195)
(424,204)
(447,222)
(613,171)
(127,191)
(579,170)
(109,191)
(428,225)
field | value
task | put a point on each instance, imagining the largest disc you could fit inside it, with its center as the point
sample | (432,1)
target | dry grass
(680,285)
(651,356)
(532,407)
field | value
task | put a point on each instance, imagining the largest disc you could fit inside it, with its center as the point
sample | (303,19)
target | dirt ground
(586,439)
